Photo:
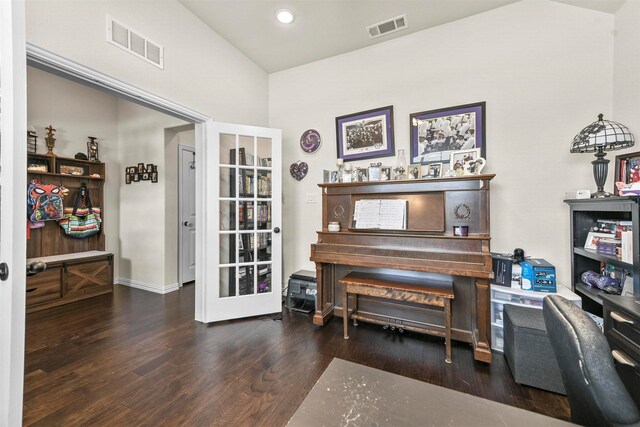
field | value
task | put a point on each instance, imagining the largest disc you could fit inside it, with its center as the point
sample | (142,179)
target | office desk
(348,394)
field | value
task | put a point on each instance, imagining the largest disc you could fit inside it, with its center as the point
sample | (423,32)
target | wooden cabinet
(622,329)
(584,215)
(70,278)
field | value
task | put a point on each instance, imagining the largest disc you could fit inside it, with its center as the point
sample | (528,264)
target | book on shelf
(627,246)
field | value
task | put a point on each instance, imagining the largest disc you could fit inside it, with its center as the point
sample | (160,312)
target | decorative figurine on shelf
(340,165)
(32,140)
(92,149)
(50,140)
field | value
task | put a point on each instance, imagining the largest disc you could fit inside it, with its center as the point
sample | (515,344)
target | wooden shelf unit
(584,214)
(76,268)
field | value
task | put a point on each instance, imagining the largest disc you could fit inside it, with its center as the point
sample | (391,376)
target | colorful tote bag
(81,223)
(44,202)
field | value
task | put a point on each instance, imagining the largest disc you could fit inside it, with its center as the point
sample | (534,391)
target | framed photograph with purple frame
(365,135)
(436,134)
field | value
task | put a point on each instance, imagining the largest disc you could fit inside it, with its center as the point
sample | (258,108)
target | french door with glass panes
(244,278)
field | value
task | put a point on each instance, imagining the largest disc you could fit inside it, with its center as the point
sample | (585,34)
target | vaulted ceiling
(325,28)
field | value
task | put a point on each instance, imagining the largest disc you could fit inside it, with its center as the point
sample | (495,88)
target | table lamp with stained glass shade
(600,136)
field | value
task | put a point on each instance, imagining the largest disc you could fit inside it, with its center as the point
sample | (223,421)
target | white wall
(202,70)
(626,71)
(532,62)
(143,241)
(77,111)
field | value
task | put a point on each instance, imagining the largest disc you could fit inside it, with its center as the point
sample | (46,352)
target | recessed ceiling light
(285,16)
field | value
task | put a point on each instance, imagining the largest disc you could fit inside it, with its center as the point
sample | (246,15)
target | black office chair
(596,394)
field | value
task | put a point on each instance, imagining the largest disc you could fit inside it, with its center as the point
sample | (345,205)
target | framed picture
(459,158)
(145,176)
(140,167)
(385,173)
(136,177)
(334,177)
(362,175)
(413,171)
(127,178)
(365,135)
(592,239)
(627,169)
(432,170)
(435,134)
(154,177)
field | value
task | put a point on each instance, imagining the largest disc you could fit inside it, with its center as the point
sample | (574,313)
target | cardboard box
(538,275)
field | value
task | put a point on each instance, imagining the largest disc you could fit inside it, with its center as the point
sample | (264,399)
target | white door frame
(13,249)
(56,64)
(181,149)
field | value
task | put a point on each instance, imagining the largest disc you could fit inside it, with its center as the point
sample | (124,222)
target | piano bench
(399,288)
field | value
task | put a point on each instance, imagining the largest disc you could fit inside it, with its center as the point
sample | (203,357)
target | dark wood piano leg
(325,279)
(481,339)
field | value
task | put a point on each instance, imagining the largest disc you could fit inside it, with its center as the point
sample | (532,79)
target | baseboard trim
(151,287)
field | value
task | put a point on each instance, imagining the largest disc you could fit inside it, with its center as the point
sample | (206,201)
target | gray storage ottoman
(528,349)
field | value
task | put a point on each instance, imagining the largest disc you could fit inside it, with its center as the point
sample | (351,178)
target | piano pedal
(400,330)
(385,328)
(355,322)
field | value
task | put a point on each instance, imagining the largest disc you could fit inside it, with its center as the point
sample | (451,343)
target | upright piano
(425,247)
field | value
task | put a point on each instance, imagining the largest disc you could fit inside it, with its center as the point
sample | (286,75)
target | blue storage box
(538,275)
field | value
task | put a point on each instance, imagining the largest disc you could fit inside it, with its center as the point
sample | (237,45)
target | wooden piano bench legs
(398,288)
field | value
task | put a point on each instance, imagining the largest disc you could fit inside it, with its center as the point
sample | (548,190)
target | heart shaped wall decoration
(299,170)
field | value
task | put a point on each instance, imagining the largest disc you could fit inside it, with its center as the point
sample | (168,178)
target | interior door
(187,159)
(244,276)
(13,180)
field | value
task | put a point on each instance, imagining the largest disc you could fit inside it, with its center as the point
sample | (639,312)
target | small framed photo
(362,175)
(627,170)
(385,173)
(365,135)
(432,170)
(592,239)
(127,178)
(145,176)
(459,158)
(140,167)
(413,171)
(136,177)
(154,176)
(334,177)
(149,167)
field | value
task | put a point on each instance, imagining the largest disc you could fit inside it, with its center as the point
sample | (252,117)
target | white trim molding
(151,287)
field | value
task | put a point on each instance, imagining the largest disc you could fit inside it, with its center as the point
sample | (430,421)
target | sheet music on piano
(385,214)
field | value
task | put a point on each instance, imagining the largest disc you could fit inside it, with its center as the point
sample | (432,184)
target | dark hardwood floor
(138,358)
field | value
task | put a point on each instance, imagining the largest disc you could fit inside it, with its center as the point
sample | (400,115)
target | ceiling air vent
(387,27)
(125,38)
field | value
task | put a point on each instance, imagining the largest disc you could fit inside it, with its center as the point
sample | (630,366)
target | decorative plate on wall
(310,141)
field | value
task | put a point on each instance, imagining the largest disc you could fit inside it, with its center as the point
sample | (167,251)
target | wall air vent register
(125,38)
(387,27)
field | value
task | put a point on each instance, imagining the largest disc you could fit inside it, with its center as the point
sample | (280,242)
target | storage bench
(399,288)
(69,278)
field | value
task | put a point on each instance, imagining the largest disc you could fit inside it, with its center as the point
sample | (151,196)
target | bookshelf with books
(604,240)
(253,213)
